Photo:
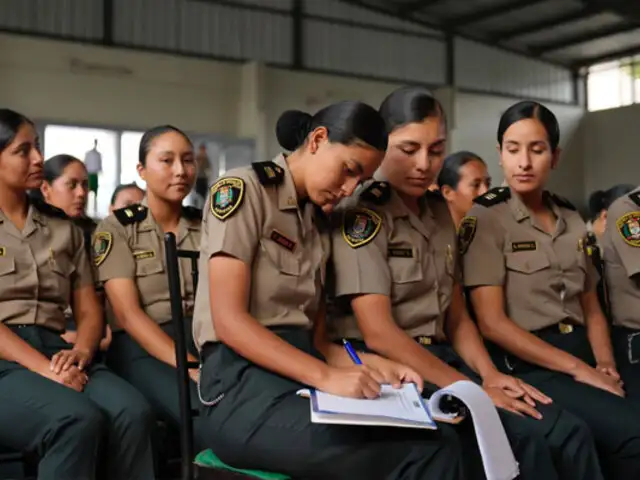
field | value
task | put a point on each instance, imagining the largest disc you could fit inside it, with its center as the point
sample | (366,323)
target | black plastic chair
(189,470)
(593,250)
(183,365)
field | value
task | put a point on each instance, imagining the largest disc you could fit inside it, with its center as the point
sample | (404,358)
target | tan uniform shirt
(130,244)
(621,245)
(41,267)
(412,260)
(253,215)
(543,275)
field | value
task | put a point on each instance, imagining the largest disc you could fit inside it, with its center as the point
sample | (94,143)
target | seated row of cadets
(128,246)
(54,400)
(260,316)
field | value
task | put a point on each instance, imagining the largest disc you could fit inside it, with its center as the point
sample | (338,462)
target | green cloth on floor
(208,459)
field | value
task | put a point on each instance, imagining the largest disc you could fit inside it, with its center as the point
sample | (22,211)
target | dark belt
(209,347)
(26,325)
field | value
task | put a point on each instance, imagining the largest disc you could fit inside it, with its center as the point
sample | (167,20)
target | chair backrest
(173,255)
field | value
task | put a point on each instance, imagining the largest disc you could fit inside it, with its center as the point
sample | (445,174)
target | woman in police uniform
(533,289)
(53,399)
(129,253)
(259,317)
(621,245)
(66,186)
(463,177)
(398,289)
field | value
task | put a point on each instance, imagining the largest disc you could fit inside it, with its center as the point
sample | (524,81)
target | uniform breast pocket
(62,267)
(283,260)
(145,268)
(527,263)
(405,270)
(7,266)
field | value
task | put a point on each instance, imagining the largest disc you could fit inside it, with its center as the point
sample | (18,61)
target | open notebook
(405,407)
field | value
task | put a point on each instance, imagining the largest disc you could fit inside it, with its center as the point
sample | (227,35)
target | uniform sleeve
(619,234)
(481,241)
(84,274)
(233,220)
(112,255)
(359,261)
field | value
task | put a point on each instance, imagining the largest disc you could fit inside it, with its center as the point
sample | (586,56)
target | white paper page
(404,403)
(497,456)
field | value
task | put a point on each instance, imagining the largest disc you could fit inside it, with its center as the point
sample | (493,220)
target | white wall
(475,124)
(610,142)
(83,84)
(67,82)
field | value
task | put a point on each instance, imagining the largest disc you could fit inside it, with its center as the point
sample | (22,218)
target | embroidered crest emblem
(466,232)
(102,242)
(360,226)
(629,227)
(226,197)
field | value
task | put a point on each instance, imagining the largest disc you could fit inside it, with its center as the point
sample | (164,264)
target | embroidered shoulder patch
(226,196)
(629,227)
(494,197)
(360,227)
(102,243)
(466,232)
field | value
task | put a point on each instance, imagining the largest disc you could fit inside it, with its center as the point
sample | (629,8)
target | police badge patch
(102,242)
(226,196)
(360,226)
(629,227)
(466,232)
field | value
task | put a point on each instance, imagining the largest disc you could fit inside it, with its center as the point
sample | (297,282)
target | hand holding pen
(389,372)
(357,381)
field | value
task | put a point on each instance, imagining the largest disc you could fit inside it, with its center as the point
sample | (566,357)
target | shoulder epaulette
(377,193)
(132,214)
(562,202)
(192,213)
(269,173)
(49,210)
(493,197)
(635,198)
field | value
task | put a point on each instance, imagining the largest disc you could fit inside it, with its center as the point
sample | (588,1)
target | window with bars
(614,84)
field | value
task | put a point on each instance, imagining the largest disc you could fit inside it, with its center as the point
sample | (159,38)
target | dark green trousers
(260,423)
(558,446)
(626,346)
(68,429)
(614,421)
(156,380)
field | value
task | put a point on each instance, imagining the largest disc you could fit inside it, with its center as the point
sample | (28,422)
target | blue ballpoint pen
(352,353)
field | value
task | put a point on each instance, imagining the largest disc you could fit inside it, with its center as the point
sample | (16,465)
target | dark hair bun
(596,203)
(292,129)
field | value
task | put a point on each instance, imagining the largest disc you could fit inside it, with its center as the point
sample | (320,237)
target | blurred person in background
(125,195)
(599,203)
(463,177)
